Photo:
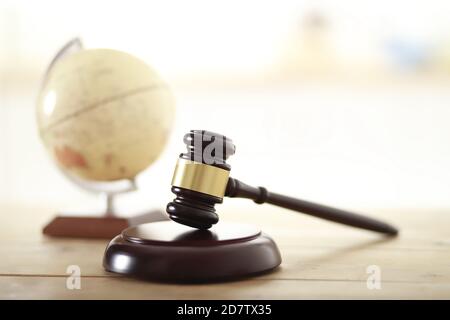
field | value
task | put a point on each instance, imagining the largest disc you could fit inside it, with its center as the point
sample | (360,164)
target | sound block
(98,227)
(171,252)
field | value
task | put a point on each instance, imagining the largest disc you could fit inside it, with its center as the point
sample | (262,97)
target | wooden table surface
(320,260)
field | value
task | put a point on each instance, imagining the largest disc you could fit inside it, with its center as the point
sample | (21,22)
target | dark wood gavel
(201,180)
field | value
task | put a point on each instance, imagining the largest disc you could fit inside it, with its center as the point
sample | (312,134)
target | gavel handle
(238,189)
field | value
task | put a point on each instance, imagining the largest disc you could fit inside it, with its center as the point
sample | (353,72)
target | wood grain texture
(320,260)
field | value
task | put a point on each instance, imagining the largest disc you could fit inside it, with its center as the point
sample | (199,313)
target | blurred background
(346,103)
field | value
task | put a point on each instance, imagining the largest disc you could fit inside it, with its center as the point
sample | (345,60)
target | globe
(104,115)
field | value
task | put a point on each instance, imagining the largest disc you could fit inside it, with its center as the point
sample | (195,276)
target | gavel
(202,179)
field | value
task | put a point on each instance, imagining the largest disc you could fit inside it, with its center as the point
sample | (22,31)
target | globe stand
(104,224)
(171,252)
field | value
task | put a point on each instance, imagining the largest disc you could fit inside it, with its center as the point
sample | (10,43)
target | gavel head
(200,179)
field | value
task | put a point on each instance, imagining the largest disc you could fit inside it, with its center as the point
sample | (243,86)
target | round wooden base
(167,251)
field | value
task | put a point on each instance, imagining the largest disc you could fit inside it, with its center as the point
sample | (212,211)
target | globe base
(93,227)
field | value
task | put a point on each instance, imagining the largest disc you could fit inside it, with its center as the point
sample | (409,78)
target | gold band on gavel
(200,177)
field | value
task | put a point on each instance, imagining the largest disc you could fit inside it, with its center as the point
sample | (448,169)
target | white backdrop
(356,144)
(355,148)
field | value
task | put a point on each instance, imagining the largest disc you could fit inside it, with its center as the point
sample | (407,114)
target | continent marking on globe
(108,158)
(70,158)
(122,169)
